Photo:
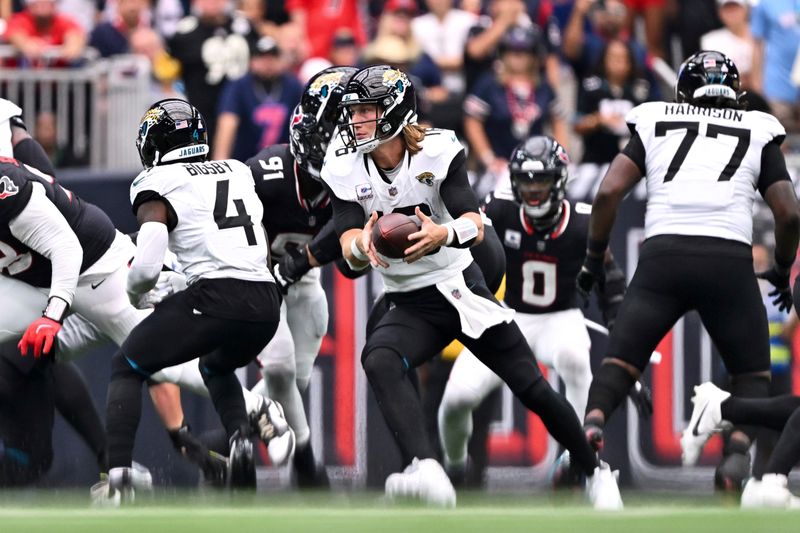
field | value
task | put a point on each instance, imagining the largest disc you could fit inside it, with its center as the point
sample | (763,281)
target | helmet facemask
(353,133)
(540,193)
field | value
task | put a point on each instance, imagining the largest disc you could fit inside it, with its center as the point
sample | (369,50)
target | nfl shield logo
(392,191)
(456,294)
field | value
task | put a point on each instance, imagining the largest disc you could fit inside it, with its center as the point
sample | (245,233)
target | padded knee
(609,388)
(383,362)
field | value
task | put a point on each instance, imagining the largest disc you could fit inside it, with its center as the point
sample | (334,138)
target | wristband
(461,232)
(357,253)
(56,309)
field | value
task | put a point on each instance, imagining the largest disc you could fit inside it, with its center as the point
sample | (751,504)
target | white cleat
(602,489)
(118,487)
(424,480)
(772,492)
(706,420)
(274,431)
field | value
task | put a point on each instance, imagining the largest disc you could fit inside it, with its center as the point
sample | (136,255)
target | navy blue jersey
(294,209)
(94,229)
(540,266)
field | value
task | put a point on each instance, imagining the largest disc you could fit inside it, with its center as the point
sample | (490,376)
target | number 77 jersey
(214,218)
(703,167)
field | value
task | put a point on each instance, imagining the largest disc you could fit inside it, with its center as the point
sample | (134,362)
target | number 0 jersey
(353,177)
(540,267)
(703,167)
(217,229)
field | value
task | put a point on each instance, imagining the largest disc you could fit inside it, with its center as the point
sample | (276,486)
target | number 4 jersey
(704,166)
(215,218)
(540,266)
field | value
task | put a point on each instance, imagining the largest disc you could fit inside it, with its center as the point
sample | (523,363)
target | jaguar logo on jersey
(322,85)
(513,239)
(395,78)
(426,178)
(7,188)
(364,191)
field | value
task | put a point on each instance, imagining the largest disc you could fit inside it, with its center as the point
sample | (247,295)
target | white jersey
(8,110)
(218,232)
(703,167)
(355,178)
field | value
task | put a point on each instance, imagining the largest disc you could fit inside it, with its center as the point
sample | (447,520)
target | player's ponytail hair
(414,134)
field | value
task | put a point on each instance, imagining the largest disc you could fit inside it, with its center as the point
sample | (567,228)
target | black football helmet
(538,168)
(393,94)
(316,116)
(172,130)
(708,79)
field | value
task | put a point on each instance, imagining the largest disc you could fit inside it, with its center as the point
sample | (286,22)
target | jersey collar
(559,229)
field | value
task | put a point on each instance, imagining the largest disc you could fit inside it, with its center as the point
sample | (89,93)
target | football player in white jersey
(208,214)
(384,162)
(544,237)
(704,159)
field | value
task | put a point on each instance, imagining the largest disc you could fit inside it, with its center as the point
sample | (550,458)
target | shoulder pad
(439,142)
(337,171)
(641,110)
(583,209)
(8,109)
(156,179)
(592,83)
(770,125)
(186,24)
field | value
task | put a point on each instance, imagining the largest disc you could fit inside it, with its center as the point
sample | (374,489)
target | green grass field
(367,512)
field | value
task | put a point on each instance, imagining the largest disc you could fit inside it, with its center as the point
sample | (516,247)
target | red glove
(42,331)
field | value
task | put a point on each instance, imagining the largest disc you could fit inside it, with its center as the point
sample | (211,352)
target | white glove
(168,284)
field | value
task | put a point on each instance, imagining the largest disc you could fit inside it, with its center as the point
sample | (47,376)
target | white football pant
(559,341)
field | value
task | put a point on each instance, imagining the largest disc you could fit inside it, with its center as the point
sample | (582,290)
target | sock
(455,422)
(123,410)
(399,403)
(772,413)
(609,388)
(787,451)
(561,422)
(74,403)
(283,389)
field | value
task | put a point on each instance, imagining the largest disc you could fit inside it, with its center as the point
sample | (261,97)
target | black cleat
(310,474)
(566,474)
(241,462)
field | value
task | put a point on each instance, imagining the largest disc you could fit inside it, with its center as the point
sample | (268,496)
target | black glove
(591,273)
(213,465)
(292,266)
(642,398)
(612,293)
(779,278)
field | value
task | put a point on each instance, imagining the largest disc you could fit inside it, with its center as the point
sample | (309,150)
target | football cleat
(270,424)
(602,489)
(565,474)
(424,480)
(706,420)
(241,462)
(310,474)
(734,468)
(118,487)
(771,492)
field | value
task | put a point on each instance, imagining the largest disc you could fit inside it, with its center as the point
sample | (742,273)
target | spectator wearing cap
(776,63)
(45,37)
(442,33)
(321,20)
(254,111)
(734,39)
(484,37)
(510,104)
(112,38)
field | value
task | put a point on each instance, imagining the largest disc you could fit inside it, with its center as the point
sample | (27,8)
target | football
(390,234)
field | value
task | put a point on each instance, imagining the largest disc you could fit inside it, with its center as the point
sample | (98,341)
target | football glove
(592,273)
(780,280)
(292,266)
(40,335)
(642,399)
(168,283)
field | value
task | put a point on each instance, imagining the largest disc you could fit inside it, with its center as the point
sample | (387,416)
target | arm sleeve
(635,150)
(325,245)
(151,245)
(43,229)
(457,195)
(30,152)
(346,215)
(773,166)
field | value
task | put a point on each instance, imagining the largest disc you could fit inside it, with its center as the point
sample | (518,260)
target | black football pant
(175,333)
(417,326)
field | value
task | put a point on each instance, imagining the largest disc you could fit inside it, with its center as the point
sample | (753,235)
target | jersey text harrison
(683,109)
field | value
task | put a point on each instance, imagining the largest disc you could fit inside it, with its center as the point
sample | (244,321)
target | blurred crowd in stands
(493,70)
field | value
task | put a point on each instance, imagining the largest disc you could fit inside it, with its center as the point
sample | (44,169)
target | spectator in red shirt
(322,18)
(41,34)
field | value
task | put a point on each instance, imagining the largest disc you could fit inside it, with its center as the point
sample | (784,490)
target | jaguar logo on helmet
(395,78)
(324,84)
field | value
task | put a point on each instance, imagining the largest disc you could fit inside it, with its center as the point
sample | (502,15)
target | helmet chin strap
(539,219)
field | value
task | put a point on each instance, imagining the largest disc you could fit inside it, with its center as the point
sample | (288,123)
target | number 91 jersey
(541,267)
(703,167)
(216,231)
